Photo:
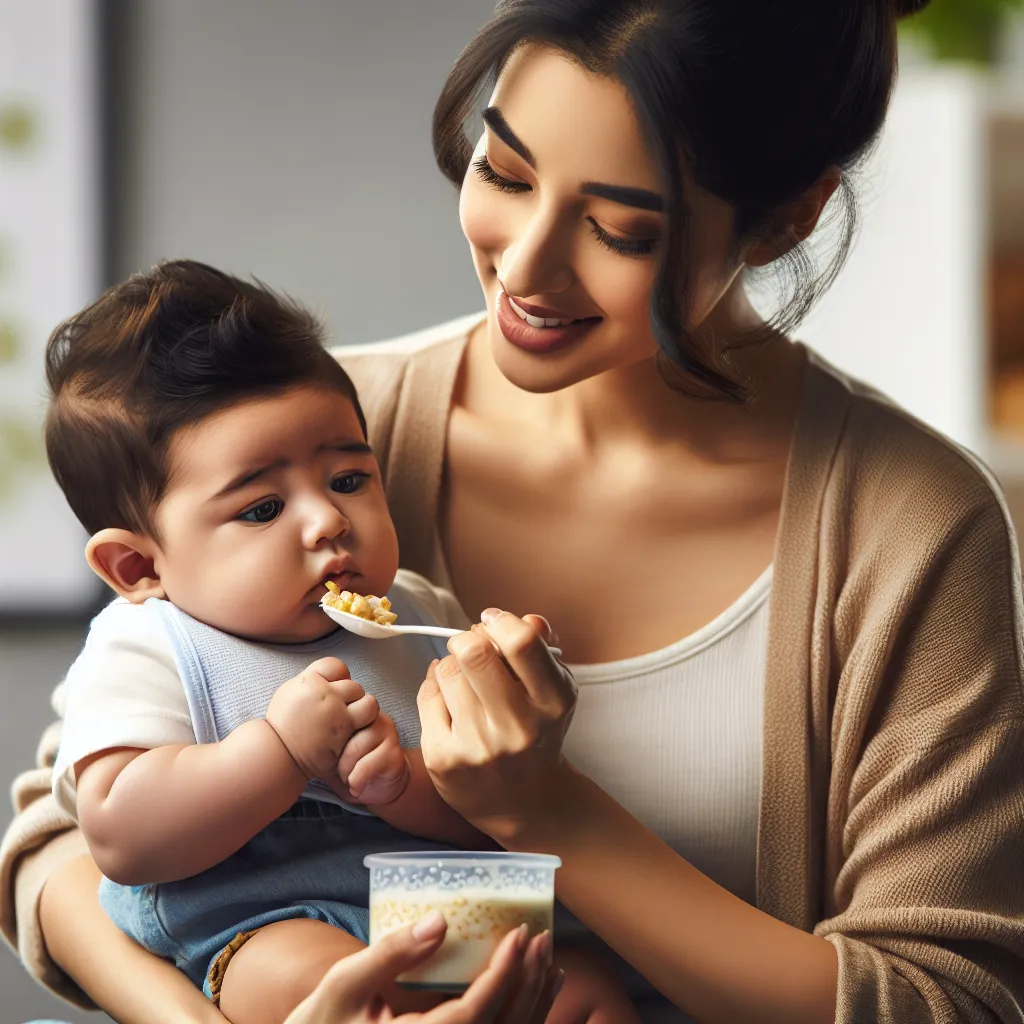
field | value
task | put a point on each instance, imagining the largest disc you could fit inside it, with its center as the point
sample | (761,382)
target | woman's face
(561,207)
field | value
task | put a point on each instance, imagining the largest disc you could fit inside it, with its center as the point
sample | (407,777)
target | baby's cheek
(379,564)
(249,593)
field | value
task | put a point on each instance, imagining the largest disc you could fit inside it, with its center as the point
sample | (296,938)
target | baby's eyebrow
(251,475)
(238,482)
(349,447)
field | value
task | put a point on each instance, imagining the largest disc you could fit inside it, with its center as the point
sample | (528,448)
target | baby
(230,754)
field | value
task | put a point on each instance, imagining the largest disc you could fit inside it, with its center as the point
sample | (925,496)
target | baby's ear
(125,562)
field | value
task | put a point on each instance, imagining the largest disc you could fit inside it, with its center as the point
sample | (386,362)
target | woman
(791,787)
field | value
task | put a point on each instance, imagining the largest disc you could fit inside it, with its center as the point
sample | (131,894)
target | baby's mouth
(342,579)
(346,576)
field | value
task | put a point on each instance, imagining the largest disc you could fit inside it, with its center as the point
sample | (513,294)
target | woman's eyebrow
(640,198)
(495,120)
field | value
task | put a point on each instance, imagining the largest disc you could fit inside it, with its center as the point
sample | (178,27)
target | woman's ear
(795,221)
(125,562)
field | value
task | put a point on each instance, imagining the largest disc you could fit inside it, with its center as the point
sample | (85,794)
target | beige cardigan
(892,806)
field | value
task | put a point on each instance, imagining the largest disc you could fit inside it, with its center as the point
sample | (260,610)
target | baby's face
(267,501)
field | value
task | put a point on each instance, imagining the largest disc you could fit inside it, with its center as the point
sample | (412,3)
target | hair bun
(905,8)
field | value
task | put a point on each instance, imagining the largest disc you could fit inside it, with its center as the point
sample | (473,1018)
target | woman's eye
(264,512)
(623,246)
(349,483)
(487,173)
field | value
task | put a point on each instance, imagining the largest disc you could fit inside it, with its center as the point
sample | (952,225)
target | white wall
(292,140)
(907,313)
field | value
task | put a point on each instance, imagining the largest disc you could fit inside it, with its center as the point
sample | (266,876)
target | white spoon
(375,631)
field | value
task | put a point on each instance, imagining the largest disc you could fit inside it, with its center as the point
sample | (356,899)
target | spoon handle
(446,631)
(428,630)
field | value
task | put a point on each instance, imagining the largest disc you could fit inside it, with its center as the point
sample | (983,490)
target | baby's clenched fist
(373,765)
(317,712)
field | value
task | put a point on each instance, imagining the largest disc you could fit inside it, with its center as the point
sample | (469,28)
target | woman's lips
(537,339)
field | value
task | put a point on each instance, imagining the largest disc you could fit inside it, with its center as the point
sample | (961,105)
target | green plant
(962,30)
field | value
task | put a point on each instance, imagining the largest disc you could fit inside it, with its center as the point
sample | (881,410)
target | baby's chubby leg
(283,962)
(591,994)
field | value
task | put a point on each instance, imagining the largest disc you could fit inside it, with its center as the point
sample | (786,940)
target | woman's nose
(537,262)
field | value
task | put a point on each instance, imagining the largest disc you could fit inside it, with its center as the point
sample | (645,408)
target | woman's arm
(709,952)
(929,918)
(50,913)
(706,950)
(131,985)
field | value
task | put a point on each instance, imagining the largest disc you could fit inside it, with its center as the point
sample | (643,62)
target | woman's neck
(634,407)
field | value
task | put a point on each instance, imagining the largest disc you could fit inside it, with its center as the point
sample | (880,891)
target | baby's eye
(265,512)
(349,483)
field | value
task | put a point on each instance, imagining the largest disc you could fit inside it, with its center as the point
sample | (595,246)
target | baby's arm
(170,812)
(394,784)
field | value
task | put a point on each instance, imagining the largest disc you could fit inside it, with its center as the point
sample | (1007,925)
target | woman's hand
(494,715)
(518,986)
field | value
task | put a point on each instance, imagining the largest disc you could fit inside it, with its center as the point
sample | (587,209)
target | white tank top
(675,736)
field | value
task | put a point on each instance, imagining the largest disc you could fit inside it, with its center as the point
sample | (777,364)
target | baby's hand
(317,713)
(373,765)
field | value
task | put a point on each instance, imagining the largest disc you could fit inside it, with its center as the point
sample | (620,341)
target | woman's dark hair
(759,99)
(154,355)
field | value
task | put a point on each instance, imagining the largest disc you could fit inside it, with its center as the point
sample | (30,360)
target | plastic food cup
(483,896)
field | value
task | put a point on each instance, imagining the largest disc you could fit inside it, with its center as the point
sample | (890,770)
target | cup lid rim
(461,858)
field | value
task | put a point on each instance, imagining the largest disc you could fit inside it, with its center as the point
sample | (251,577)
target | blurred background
(291,140)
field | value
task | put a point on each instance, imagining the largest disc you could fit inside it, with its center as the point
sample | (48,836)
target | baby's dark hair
(158,353)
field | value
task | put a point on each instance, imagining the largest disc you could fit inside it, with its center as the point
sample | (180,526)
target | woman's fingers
(553,982)
(461,696)
(523,647)
(357,981)
(536,962)
(354,984)
(478,662)
(546,683)
(486,1001)
(547,633)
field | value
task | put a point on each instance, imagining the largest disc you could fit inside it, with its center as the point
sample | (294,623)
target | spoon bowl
(375,631)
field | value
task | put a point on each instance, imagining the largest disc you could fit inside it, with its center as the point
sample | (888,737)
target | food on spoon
(373,609)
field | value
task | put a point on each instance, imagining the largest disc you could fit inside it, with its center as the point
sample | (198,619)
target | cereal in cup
(483,896)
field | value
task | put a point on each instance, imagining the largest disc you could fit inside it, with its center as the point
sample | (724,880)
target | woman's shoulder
(390,355)
(887,463)
(380,370)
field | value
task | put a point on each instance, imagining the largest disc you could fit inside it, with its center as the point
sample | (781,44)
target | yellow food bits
(374,609)
(476,919)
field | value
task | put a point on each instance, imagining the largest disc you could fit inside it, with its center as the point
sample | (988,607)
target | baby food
(374,609)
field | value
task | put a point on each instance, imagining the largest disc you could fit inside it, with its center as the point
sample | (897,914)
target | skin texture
(580,485)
